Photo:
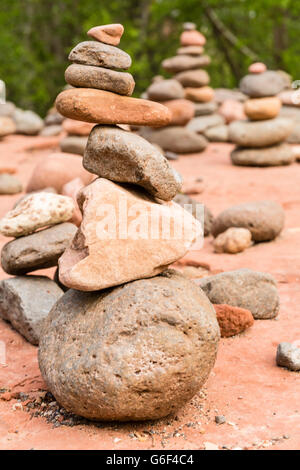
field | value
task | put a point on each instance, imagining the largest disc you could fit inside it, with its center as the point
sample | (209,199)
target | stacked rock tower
(261,139)
(130,339)
(187,95)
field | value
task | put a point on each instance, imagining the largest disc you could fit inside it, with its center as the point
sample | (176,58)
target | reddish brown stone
(108,33)
(233,320)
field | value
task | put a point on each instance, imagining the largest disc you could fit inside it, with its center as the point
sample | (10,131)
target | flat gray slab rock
(40,250)
(176,139)
(260,133)
(124,157)
(135,352)
(9,184)
(270,156)
(244,288)
(181,63)
(89,76)
(264,219)
(288,355)
(261,85)
(99,54)
(26,301)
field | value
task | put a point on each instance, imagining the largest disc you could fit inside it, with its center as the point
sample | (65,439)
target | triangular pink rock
(109,33)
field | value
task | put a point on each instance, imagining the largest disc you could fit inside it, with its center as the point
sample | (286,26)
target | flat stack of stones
(25,301)
(130,339)
(261,140)
(187,95)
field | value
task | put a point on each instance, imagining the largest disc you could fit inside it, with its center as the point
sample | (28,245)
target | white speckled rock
(36,211)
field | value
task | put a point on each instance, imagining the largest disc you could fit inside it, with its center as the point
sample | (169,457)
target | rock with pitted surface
(104,107)
(73,144)
(244,288)
(89,76)
(40,250)
(264,219)
(233,240)
(100,55)
(268,83)
(108,33)
(193,78)
(25,302)
(136,352)
(165,90)
(9,184)
(125,157)
(233,320)
(36,211)
(261,133)
(177,139)
(114,246)
(276,155)
(288,356)
(182,63)
(202,123)
(55,170)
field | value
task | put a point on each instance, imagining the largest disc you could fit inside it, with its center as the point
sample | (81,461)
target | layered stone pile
(187,95)
(129,340)
(261,140)
(26,300)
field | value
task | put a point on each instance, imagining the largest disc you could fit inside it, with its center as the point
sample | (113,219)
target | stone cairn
(130,339)
(261,140)
(187,95)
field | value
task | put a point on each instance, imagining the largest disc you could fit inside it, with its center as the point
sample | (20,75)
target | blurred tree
(37,35)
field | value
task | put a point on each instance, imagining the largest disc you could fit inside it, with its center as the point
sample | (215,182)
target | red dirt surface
(259,400)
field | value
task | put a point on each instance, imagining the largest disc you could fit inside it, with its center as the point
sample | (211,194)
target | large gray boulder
(135,352)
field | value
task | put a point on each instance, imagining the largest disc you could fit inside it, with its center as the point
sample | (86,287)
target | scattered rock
(165,90)
(25,302)
(260,85)
(276,155)
(7,125)
(109,33)
(262,108)
(27,122)
(108,252)
(217,133)
(56,170)
(152,344)
(100,55)
(261,133)
(88,76)
(244,288)
(288,355)
(181,63)
(233,320)
(36,211)
(193,78)
(73,144)
(9,184)
(176,139)
(40,250)
(220,419)
(202,123)
(233,240)
(87,104)
(125,157)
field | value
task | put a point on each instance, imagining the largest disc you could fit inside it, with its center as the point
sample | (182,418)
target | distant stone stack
(187,95)
(129,340)
(261,140)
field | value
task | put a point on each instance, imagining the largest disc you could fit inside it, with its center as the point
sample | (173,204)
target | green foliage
(37,35)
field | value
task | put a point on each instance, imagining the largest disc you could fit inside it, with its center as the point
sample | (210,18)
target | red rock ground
(259,400)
